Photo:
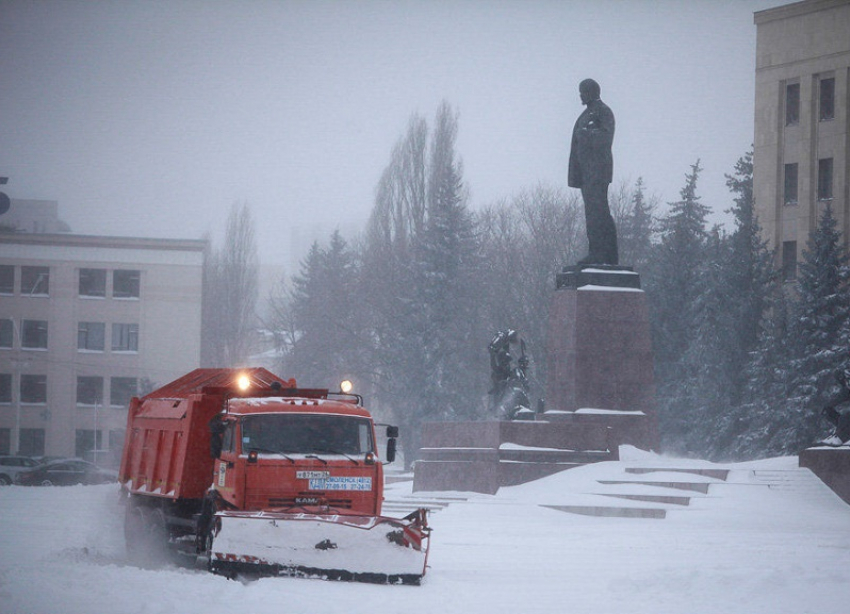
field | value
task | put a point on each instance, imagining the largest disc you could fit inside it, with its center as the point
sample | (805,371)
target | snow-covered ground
(770,538)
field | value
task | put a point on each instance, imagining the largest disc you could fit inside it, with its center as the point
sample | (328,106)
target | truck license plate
(312,475)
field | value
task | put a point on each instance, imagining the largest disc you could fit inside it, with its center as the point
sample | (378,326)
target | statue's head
(589,90)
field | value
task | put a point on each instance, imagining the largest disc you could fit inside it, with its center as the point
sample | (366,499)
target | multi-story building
(29,215)
(85,324)
(801,162)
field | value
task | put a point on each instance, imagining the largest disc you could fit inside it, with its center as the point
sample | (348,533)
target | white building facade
(86,323)
(801,162)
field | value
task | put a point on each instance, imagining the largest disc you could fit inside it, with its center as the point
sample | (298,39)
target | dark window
(116,439)
(791,184)
(33,388)
(31,442)
(125,337)
(6,333)
(89,390)
(34,334)
(7,279)
(92,282)
(35,280)
(91,336)
(303,433)
(121,390)
(86,442)
(792,104)
(125,284)
(827,99)
(789,260)
(228,439)
(5,387)
(5,441)
(825,179)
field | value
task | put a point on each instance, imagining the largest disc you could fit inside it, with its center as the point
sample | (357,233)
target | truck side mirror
(392,431)
(391,448)
(216,436)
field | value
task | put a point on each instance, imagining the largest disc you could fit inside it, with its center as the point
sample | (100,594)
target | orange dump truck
(250,474)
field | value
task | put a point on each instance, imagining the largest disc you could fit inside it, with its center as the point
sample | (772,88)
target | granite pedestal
(600,351)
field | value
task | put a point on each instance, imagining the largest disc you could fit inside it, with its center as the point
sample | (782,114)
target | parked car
(46,459)
(66,473)
(11,466)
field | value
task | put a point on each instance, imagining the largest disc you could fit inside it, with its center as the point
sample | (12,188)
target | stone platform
(484,456)
(831,465)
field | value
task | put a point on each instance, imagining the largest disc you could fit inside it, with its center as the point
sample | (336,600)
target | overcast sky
(152,118)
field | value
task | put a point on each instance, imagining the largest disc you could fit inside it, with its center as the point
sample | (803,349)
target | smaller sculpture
(839,419)
(509,394)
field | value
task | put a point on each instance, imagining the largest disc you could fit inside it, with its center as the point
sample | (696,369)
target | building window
(34,334)
(827,99)
(86,441)
(35,280)
(5,387)
(125,337)
(121,390)
(33,388)
(7,279)
(91,336)
(789,260)
(89,390)
(792,104)
(791,184)
(825,179)
(7,336)
(116,439)
(125,283)
(5,441)
(93,282)
(31,442)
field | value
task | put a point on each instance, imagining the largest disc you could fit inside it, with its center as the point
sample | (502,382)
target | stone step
(530,455)
(603,511)
(512,473)
(701,487)
(717,474)
(795,480)
(664,499)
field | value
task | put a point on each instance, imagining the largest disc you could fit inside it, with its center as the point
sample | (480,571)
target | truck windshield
(306,434)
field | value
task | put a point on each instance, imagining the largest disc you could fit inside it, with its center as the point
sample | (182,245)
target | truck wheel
(5,480)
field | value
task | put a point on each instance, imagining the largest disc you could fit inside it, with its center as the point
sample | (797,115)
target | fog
(153,118)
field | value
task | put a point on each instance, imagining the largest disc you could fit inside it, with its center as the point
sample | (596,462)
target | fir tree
(636,229)
(822,314)
(673,285)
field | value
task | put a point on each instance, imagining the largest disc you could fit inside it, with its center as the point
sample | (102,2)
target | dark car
(11,466)
(66,473)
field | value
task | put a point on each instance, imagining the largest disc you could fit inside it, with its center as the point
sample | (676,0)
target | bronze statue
(591,169)
(509,394)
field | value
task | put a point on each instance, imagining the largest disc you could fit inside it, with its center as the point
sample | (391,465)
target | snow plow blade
(348,547)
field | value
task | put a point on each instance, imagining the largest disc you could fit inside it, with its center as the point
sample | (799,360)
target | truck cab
(283,453)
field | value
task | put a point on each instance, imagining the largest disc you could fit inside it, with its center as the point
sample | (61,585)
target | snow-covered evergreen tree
(329,340)
(822,313)
(635,229)
(673,284)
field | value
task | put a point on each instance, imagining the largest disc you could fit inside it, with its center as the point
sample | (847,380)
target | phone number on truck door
(341,483)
